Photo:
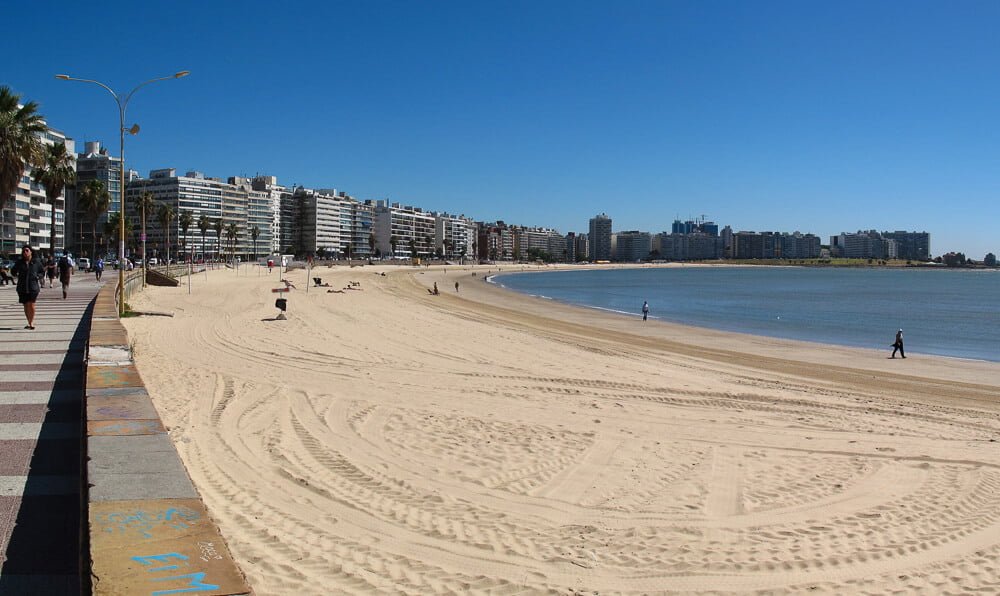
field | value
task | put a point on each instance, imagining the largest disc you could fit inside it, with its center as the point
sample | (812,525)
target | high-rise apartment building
(229,204)
(93,164)
(496,241)
(454,235)
(600,238)
(633,246)
(269,185)
(403,231)
(27,218)
(527,241)
(914,246)
(863,245)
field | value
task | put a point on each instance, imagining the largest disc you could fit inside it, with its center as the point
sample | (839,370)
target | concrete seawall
(149,530)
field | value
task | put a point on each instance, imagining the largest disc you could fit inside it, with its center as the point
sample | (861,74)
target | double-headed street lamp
(122,104)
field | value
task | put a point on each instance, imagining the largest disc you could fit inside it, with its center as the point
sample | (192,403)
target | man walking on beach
(898,345)
(645,310)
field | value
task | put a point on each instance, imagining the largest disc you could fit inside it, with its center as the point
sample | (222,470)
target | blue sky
(783,116)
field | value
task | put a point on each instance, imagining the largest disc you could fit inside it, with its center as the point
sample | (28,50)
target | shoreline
(387,439)
(496,280)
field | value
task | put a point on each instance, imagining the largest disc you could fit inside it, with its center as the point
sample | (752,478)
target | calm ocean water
(944,312)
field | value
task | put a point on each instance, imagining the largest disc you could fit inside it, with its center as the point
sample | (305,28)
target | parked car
(83,264)
(153,261)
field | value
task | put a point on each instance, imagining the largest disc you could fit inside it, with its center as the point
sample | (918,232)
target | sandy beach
(387,440)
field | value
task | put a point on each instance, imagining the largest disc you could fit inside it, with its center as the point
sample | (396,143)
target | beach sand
(479,441)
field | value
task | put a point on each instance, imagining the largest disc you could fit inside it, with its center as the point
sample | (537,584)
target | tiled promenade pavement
(41,396)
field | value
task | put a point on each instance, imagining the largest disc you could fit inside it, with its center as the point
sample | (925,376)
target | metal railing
(133,282)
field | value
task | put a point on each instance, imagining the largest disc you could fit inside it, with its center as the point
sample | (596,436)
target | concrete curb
(149,530)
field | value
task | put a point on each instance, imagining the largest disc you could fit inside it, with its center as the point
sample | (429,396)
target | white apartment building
(269,185)
(398,227)
(454,235)
(27,219)
(197,195)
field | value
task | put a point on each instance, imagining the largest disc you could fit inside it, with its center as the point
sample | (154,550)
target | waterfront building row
(871,244)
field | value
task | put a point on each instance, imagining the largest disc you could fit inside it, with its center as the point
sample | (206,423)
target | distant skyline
(765,116)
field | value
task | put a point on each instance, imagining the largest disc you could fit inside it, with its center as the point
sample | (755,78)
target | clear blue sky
(765,115)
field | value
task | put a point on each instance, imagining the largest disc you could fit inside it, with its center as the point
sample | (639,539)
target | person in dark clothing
(65,271)
(645,310)
(99,268)
(898,345)
(50,270)
(28,270)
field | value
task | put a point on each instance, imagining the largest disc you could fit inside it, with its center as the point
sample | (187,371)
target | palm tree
(185,220)
(254,234)
(165,215)
(145,204)
(203,224)
(94,200)
(57,170)
(393,242)
(371,244)
(232,232)
(218,227)
(112,227)
(20,142)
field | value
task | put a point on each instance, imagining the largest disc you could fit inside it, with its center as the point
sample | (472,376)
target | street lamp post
(122,105)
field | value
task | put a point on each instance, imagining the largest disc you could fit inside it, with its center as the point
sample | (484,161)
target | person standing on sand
(456,286)
(28,271)
(65,271)
(645,310)
(898,345)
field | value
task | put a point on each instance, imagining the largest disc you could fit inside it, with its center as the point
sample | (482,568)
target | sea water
(945,312)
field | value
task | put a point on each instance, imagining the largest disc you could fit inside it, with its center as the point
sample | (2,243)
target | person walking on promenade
(50,269)
(65,271)
(456,286)
(898,345)
(28,271)
(99,268)
(645,310)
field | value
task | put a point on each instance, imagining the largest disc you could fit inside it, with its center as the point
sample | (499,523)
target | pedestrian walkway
(42,528)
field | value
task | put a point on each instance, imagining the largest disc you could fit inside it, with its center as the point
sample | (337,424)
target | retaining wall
(149,530)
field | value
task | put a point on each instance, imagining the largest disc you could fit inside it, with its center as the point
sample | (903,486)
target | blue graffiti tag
(195,583)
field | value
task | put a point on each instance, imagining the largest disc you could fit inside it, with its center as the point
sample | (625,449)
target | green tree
(232,233)
(371,244)
(203,224)
(165,215)
(254,234)
(144,204)
(94,200)
(113,226)
(20,143)
(413,248)
(218,226)
(54,174)
(393,242)
(186,220)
